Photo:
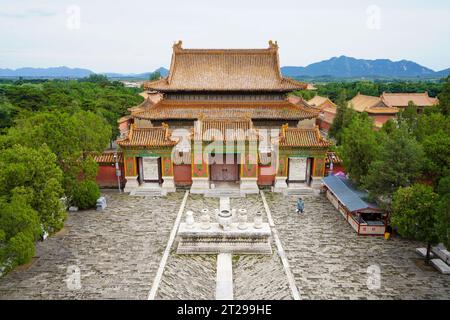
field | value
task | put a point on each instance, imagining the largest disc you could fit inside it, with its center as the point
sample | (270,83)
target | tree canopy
(398,164)
(359,146)
(414,213)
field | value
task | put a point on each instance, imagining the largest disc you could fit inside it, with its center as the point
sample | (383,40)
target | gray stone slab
(441,266)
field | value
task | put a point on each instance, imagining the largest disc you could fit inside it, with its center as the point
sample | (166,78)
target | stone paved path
(117,252)
(330,261)
(191,277)
(260,277)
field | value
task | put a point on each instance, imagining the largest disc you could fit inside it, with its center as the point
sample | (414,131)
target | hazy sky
(137,35)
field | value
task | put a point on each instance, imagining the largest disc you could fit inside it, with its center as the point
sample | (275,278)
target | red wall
(382,118)
(266,175)
(324,125)
(106,176)
(182,174)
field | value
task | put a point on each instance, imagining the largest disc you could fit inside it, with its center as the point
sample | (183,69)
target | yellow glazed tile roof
(225,70)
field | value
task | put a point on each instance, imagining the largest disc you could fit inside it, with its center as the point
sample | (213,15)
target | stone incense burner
(224,217)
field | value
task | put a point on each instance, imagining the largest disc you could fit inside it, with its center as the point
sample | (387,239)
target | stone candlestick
(205,220)
(257,223)
(242,221)
(190,219)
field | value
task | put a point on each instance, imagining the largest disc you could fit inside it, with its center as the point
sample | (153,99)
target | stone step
(146,192)
(300,191)
(232,193)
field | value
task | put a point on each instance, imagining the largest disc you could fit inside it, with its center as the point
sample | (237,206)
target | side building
(388,105)
(374,107)
(327,111)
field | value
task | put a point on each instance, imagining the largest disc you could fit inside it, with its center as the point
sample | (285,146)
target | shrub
(21,248)
(85,194)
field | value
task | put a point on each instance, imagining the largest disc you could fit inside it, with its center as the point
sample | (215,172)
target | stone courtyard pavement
(117,251)
(329,261)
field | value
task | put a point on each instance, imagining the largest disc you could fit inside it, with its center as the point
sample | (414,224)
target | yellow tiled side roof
(147,137)
(299,137)
(403,99)
(370,104)
(108,157)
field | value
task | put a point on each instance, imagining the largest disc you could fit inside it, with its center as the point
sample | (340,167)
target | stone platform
(214,240)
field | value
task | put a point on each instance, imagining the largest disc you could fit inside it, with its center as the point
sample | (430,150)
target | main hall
(222,116)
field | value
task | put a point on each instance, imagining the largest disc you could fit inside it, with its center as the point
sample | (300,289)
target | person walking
(300,205)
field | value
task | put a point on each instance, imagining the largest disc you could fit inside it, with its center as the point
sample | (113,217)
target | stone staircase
(300,189)
(148,190)
(220,193)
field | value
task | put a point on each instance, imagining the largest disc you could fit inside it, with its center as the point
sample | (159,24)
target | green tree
(359,146)
(437,156)
(305,94)
(409,117)
(398,164)
(414,214)
(7,113)
(342,119)
(19,229)
(70,137)
(96,94)
(429,124)
(35,172)
(96,78)
(444,97)
(389,127)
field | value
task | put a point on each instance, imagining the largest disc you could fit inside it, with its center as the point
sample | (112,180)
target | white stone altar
(224,231)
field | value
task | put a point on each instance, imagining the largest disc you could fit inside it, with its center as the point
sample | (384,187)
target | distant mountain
(347,67)
(338,67)
(163,71)
(73,73)
(444,73)
(55,72)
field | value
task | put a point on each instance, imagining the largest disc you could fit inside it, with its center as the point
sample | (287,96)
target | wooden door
(182,174)
(224,172)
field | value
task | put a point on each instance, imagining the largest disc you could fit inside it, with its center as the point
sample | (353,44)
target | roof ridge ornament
(177,46)
(273,45)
